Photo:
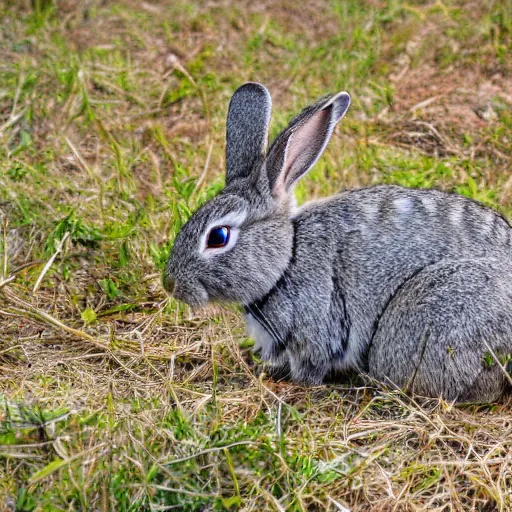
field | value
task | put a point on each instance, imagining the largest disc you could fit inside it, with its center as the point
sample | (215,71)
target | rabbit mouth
(193,294)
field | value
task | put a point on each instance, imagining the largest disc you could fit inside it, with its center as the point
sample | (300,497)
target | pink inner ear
(305,146)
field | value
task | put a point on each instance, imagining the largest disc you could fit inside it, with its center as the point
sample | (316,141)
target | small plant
(109,287)
(488,360)
(76,229)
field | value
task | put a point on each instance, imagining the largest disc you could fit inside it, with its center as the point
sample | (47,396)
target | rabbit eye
(218,237)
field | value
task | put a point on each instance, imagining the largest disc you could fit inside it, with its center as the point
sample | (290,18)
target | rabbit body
(412,286)
(351,255)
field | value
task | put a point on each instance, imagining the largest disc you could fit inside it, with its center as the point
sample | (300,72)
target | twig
(424,103)
(338,505)
(205,170)
(9,349)
(498,362)
(14,118)
(112,87)
(27,310)
(12,121)
(81,161)
(50,262)
(17,270)
(6,281)
(64,462)
(30,311)
(209,450)
(4,247)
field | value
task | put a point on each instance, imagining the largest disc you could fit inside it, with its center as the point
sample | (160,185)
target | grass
(113,397)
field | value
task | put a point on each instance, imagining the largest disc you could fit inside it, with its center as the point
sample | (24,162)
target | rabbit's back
(384,235)
(386,214)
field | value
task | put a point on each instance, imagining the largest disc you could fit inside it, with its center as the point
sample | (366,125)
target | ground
(112,118)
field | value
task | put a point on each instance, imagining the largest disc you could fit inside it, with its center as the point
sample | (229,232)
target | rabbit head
(236,246)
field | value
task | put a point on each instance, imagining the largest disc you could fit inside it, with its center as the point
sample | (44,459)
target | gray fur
(449,322)
(246,129)
(351,281)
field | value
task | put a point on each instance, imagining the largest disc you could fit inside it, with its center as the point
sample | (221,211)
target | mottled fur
(356,280)
(446,325)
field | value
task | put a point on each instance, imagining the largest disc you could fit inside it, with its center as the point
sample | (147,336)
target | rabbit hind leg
(448,332)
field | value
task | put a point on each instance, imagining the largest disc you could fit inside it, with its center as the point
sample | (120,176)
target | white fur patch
(487,225)
(371,211)
(430,205)
(262,339)
(456,215)
(404,204)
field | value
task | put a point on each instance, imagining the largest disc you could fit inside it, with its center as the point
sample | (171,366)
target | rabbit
(316,282)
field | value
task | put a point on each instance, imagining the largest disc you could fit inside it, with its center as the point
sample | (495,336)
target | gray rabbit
(411,286)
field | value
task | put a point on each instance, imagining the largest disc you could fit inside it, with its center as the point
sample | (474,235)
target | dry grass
(111,132)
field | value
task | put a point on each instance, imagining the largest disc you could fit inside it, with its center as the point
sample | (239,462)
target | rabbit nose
(169,283)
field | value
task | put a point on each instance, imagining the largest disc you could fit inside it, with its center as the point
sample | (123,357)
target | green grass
(112,119)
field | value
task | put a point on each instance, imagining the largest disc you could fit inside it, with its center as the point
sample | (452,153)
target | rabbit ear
(299,146)
(247,129)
